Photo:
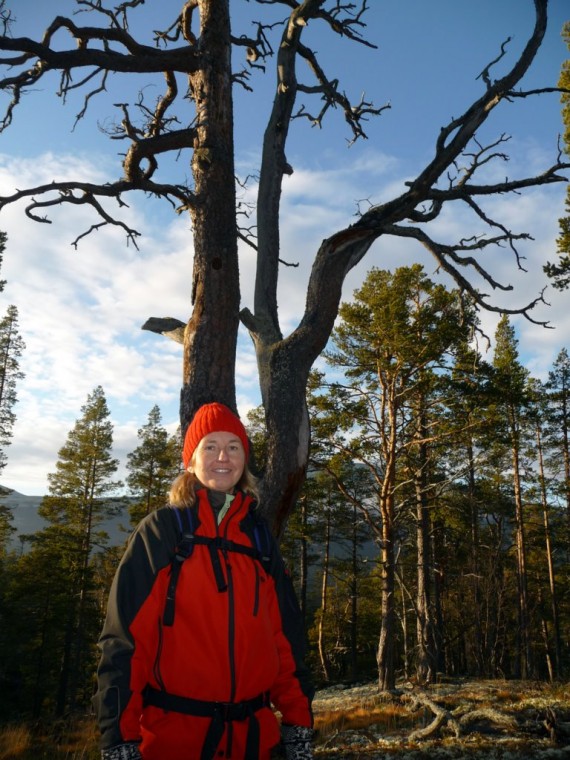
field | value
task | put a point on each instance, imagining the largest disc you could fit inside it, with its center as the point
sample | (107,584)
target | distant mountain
(26,520)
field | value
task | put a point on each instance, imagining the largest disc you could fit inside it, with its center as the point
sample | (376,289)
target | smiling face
(218,461)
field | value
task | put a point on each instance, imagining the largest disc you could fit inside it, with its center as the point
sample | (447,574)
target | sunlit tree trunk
(425,662)
(304,570)
(549,557)
(404,624)
(385,652)
(323,656)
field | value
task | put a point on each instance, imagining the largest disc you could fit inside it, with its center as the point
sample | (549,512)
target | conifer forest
(431,538)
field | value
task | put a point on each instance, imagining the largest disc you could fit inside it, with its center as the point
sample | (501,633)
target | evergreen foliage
(55,585)
(152,467)
(560,271)
(432,531)
(463,496)
(11,349)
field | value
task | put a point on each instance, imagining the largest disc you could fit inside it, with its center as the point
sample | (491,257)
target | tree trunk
(477,611)
(385,654)
(524,667)
(288,434)
(565,414)
(39,678)
(405,655)
(304,561)
(66,659)
(324,602)
(211,334)
(424,660)
(354,599)
(549,558)
(545,639)
(495,606)
(426,664)
(439,649)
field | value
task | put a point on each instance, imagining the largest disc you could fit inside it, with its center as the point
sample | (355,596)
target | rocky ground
(475,720)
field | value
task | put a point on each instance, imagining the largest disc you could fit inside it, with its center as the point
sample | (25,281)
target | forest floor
(475,720)
(461,720)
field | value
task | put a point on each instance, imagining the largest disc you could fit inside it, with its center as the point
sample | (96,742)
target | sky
(81,309)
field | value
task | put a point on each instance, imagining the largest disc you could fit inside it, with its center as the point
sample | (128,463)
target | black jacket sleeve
(149,549)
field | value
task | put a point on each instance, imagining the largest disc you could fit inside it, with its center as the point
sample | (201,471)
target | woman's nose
(223,454)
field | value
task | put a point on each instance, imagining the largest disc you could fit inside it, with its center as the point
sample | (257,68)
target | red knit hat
(212,418)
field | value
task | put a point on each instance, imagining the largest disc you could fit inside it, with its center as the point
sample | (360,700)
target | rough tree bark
(196,47)
(210,338)
(425,644)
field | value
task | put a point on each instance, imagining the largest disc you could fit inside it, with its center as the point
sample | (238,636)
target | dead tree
(193,117)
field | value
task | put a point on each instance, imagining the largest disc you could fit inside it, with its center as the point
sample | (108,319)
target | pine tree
(465,506)
(152,466)
(560,272)
(510,382)
(399,329)
(80,492)
(11,348)
(558,436)
(544,541)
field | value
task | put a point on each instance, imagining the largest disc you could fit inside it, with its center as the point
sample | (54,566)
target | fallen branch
(457,722)
(443,718)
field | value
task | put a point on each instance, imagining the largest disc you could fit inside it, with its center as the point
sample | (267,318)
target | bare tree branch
(449,260)
(340,252)
(328,90)
(89,192)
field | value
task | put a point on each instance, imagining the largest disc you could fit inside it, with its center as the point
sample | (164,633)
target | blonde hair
(183,490)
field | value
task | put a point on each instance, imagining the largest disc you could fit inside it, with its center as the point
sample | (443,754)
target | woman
(203,632)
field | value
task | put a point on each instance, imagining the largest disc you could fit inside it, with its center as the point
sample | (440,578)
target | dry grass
(387,717)
(14,742)
(61,740)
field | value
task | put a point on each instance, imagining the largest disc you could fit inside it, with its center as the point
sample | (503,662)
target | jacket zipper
(231,637)
(231,615)
(156,666)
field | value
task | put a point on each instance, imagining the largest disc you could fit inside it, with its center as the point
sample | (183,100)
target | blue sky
(81,310)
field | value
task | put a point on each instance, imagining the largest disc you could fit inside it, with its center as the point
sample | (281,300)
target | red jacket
(225,646)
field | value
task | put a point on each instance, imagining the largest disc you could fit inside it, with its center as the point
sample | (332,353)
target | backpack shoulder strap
(261,536)
(186,522)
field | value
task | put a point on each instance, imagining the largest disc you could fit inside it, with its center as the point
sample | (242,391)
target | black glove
(127,751)
(297,742)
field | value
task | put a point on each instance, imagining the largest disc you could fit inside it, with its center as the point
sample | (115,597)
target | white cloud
(81,310)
